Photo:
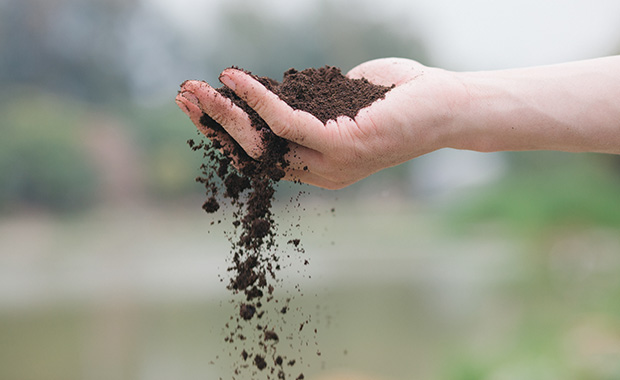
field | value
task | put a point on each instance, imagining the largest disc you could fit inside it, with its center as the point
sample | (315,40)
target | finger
(387,71)
(224,112)
(304,159)
(188,104)
(307,177)
(312,167)
(301,158)
(293,125)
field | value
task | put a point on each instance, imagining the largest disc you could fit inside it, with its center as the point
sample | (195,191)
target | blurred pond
(137,293)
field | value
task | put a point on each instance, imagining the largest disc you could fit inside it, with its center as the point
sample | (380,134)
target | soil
(326,94)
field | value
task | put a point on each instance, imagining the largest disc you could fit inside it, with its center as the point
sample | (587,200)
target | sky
(463,35)
(485,34)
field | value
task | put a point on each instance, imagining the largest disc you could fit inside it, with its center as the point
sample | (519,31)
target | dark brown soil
(247,311)
(326,94)
(260,362)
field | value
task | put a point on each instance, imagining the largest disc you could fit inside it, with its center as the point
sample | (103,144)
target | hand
(414,118)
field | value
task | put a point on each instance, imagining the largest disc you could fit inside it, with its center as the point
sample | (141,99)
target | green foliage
(465,369)
(547,190)
(42,161)
(68,47)
(161,137)
(326,34)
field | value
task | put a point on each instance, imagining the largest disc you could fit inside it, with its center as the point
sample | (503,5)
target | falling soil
(249,187)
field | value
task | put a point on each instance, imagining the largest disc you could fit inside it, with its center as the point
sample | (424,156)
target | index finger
(298,126)
(224,112)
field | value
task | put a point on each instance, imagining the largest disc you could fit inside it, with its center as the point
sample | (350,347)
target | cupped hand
(414,118)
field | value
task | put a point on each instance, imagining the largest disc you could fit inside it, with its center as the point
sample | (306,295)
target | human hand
(414,118)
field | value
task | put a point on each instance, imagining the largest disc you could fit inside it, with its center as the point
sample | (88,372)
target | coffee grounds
(249,186)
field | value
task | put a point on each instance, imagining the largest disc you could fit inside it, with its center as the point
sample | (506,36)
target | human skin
(571,107)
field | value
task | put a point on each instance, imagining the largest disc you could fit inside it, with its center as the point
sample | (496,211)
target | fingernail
(191,98)
(228,82)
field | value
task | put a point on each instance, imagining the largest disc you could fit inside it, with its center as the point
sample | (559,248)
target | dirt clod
(259,362)
(247,311)
(271,335)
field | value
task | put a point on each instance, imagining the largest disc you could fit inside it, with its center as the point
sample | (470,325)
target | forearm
(567,107)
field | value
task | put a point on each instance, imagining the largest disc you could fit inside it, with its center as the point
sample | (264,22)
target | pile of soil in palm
(249,187)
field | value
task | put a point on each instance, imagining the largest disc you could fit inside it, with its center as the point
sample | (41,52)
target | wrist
(440,112)
(476,115)
(566,107)
(504,111)
(464,123)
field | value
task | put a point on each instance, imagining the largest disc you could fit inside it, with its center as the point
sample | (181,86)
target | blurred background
(454,266)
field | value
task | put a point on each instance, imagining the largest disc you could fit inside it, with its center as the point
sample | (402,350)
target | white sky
(485,34)
(465,34)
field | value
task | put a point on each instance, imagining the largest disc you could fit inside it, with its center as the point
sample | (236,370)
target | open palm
(392,130)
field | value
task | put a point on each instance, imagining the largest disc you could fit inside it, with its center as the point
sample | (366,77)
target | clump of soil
(249,187)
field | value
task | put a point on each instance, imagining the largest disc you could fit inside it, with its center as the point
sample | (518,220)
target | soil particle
(211,205)
(271,335)
(247,311)
(259,362)
(253,293)
(249,186)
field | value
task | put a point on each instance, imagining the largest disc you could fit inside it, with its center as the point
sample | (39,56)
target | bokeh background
(454,266)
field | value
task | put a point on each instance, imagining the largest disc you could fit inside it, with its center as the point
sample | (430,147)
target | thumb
(387,71)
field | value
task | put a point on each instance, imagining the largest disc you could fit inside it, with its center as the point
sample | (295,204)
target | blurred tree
(42,161)
(69,47)
(162,139)
(328,33)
